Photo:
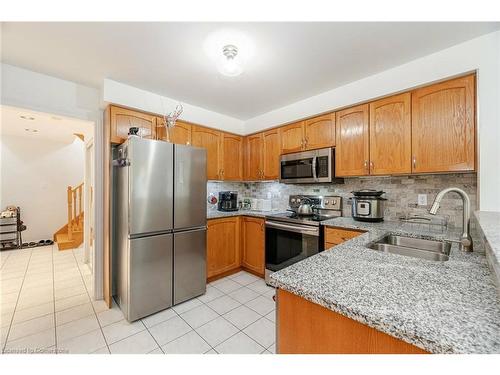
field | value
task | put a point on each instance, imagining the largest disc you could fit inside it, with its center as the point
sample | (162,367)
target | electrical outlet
(422,200)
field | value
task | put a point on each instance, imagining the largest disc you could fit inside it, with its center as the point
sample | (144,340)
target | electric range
(291,237)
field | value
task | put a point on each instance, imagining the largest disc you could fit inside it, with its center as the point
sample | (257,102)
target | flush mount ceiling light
(230,51)
(229,65)
(31,130)
(26,117)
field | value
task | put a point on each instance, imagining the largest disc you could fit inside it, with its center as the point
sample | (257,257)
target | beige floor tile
(239,344)
(198,316)
(76,328)
(263,331)
(159,317)
(139,343)
(217,331)
(122,329)
(242,316)
(70,292)
(223,304)
(190,343)
(66,303)
(40,340)
(33,312)
(74,313)
(169,330)
(87,343)
(31,327)
(110,316)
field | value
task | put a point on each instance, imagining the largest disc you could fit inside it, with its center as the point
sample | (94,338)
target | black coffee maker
(228,201)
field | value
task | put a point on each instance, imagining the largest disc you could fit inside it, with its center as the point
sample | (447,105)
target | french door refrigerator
(160,224)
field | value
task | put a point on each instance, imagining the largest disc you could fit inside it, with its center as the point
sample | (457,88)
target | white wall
(481,54)
(129,96)
(35,175)
(40,92)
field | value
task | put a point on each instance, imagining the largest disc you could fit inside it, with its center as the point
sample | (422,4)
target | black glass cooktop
(294,217)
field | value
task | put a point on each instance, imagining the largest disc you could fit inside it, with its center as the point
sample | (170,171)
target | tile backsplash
(401,193)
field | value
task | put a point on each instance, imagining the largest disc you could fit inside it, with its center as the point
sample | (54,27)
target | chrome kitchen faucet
(465,239)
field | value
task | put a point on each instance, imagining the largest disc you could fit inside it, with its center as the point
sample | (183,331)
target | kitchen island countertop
(441,307)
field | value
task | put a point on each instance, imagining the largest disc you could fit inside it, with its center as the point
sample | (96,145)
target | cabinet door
(319,132)
(232,157)
(180,134)
(271,154)
(351,156)
(123,119)
(292,137)
(209,139)
(443,130)
(252,244)
(390,135)
(223,253)
(254,157)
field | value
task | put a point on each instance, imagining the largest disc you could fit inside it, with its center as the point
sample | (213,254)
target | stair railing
(75,210)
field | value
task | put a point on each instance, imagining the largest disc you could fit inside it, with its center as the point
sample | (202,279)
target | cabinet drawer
(336,236)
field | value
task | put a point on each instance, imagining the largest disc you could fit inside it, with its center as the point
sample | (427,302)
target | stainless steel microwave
(314,166)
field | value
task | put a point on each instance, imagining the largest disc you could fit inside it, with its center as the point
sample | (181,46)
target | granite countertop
(214,214)
(489,224)
(441,307)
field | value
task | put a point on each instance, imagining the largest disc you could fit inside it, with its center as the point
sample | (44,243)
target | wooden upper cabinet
(271,154)
(443,126)
(210,140)
(253,244)
(122,119)
(390,135)
(352,144)
(319,132)
(223,245)
(180,134)
(292,137)
(254,156)
(232,157)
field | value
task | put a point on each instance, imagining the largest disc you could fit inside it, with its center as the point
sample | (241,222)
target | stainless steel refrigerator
(160,224)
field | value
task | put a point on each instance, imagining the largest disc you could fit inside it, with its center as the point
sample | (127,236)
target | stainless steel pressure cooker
(368,205)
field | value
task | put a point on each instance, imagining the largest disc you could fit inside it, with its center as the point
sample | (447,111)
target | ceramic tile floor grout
(62,265)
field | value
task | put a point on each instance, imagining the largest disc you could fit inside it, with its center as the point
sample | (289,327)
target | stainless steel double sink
(413,247)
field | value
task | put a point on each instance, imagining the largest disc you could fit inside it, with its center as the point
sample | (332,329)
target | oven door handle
(293,228)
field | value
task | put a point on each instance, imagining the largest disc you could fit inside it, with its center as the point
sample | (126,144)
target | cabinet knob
(414,161)
(366,164)
(371,165)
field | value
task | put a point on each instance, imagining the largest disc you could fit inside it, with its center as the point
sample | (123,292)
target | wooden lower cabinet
(336,236)
(223,246)
(235,243)
(304,327)
(253,244)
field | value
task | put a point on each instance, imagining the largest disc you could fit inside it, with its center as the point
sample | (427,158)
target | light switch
(422,199)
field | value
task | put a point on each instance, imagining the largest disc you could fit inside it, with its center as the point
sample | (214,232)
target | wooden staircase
(70,236)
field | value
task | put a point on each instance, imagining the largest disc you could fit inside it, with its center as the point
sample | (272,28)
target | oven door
(307,167)
(288,243)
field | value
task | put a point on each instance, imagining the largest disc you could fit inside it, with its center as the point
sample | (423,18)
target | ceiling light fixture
(31,130)
(229,64)
(26,117)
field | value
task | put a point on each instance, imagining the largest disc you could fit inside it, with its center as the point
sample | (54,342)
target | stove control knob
(293,200)
(327,201)
(334,202)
